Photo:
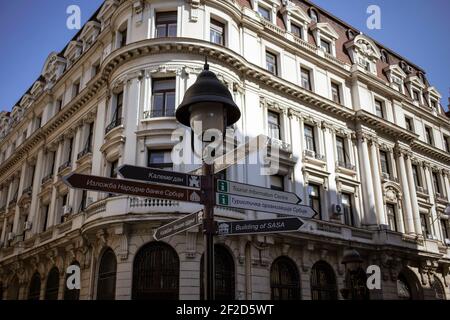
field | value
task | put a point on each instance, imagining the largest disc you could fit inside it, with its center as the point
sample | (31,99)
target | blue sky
(31,29)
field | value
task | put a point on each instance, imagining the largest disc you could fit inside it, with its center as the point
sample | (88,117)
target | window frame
(214,26)
(271,54)
(379,104)
(264,8)
(429,135)
(164,112)
(166,23)
(278,188)
(162,165)
(271,125)
(349,218)
(303,80)
(336,92)
(388,166)
(315,198)
(298,27)
(392,216)
(409,123)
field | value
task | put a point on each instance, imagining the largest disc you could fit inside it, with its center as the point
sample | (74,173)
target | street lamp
(209,102)
(352,262)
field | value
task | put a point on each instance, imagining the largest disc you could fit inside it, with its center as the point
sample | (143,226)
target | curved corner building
(362,137)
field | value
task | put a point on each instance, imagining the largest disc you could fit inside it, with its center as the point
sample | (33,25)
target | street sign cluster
(162,184)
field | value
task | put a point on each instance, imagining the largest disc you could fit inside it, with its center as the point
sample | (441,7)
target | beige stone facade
(359,128)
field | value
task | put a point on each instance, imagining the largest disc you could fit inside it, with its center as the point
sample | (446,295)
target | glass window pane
(172,30)
(161,85)
(170,104)
(296,30)
(161,31)
(265,13)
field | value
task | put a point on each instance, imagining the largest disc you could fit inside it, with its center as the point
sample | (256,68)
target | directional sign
(185,223)
(227,200)
(259,226)
(128,187)
(248,190)
(159,176)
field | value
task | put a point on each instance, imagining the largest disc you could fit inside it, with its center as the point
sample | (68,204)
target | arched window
(323,282)
(224,265)
(438,289)
(35,287)
(313,15)
(106,285)
(284,280)
(13,289)
(71,294)
(408,286)
(156,270)
(52,286)
(403,288)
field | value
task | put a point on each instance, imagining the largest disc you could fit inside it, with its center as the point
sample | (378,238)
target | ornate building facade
(363,139)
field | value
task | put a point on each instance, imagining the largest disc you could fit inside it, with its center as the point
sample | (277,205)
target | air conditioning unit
(67,210)
(447,242)
(28,225)
(338,210)
(10,236)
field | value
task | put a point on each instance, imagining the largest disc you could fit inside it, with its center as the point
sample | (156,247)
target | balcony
(115,123)
(313,155)
(47,178)
(150,114)
(84,152)
(64,166)
(389,177)
(345,165)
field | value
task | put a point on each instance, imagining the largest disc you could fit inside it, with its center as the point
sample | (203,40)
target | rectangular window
(88,145)
(436,184)
(310,143)
(76,88)
(429,136)
(424,225)
(416,95)
(63,204)
(70,151)
(444,227)
(44,218)
(52,156)
(95,69)
(217,32)
(346,200)
(325,45)
(166,24)
(116,119)
(379,108)
(341,152)
(277,183)
(336,92)
(297,30)
(113,169)
(159,159)
(447,143)
(305,75)
(409,124)
(83,201)
(271,63)
(264,12)
(274,125)
(384,162)
(123,37)
(392,216)
(163,92)
(314,198)
(38,122)
(416,176)
(58,106)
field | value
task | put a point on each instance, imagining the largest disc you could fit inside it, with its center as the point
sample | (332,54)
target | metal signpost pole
(209,229)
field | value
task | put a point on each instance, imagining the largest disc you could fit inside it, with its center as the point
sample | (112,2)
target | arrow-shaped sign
(247,190)
(127,187)
(227,200)
(185,223)
(259,226)
(160,176)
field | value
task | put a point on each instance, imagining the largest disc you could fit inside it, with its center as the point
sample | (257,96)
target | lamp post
(209,102)
(352,263)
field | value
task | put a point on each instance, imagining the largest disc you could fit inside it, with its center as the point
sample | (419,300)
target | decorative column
(379,204)
(407,209)
(413,193)
(427,170)
(367,182)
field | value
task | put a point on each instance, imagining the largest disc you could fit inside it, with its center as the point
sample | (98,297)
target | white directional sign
(183,224)
(247,190)
(227,200)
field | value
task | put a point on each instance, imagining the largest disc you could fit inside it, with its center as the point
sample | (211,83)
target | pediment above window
(396,71)
(26,101)
(433,92)
(53,68)
(37,88)
(415,81)
(107,10)
(364,47)
(73,50)
(290,9)
(89,33)
(325,29)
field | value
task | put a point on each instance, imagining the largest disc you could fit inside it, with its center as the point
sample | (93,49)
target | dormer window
(416,95)
(265,13)
(363,53)
(297,30)
(325,45)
